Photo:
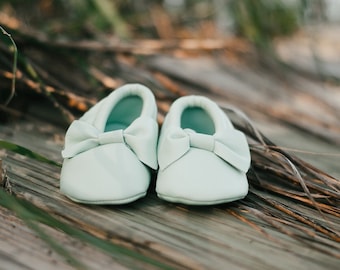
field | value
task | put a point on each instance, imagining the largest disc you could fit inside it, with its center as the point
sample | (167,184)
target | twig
(42,87)
(14,70)
(73,101)
(325,231)
(294,150)
(275,223)
(253,225)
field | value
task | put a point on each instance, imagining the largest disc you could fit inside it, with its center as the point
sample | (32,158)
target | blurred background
(255,20)
(73,52)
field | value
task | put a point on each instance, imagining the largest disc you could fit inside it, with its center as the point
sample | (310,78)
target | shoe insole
(124,113)
(197,119)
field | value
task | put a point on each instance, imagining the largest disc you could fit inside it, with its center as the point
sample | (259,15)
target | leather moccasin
(109,151)
(202,158)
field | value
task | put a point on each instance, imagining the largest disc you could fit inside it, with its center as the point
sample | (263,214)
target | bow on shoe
(230,145)
(140,137)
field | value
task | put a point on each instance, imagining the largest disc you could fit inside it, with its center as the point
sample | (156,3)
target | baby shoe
(202,159)
(109,151)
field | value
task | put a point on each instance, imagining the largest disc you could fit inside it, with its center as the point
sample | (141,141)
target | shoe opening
(197,119)
(124,113)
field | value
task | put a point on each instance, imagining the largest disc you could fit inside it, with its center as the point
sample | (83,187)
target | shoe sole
(195,202)
(106,202)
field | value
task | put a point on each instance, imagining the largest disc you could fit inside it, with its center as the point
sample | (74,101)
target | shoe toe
(201,178)
(107,174)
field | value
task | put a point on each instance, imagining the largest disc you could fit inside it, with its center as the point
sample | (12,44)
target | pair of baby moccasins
(111,150)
